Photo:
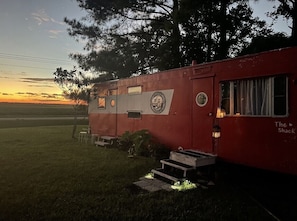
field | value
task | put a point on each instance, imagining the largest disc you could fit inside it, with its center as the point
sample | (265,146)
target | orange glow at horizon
(41,101)
(32,90)
(13,90)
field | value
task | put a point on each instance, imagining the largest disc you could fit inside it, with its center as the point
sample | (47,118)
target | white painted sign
(285,128)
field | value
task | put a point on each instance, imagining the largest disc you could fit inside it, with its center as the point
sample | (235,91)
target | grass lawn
(45,175)
(46,115)
(37,110)
(39,122)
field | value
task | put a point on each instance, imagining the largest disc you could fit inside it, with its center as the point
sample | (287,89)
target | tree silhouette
(288,9)
(125,38)
(75,86)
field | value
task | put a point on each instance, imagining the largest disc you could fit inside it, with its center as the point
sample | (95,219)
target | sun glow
(27,92)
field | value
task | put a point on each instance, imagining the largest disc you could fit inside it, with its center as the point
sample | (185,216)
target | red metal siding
(257,142)
(263,142)
(103,124)
(260,141)
(173,129)
(168,133)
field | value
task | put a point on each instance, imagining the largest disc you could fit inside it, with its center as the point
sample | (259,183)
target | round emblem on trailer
(201,99)
(158,102)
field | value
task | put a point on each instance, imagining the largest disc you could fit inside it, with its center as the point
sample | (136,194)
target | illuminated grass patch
(183,185)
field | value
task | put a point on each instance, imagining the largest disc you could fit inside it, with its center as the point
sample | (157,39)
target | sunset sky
(34,42)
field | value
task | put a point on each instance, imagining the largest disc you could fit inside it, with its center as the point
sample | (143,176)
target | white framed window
(134,90)
(255,97)
(102,102)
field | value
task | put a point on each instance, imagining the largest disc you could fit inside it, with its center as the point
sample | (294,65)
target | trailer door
(202,110)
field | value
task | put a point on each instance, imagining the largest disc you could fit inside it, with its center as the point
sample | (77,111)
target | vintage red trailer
(244,110)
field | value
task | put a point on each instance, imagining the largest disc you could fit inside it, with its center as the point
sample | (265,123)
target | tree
(142,36)
(75,86)
(288,9)
(129,35)
(265,43)
(218,29)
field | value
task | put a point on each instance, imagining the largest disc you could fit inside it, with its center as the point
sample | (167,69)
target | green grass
(37,110)
(46,175)
(40,122)
(20,112)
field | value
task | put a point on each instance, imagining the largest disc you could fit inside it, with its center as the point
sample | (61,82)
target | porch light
(216,131)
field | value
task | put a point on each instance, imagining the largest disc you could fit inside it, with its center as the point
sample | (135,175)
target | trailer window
(280,95)
(101,102)
(255,97)
(134,90)
(225,96)
(134,114)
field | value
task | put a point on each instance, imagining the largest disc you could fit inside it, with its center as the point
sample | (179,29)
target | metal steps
(178,165)
(193,158)
(161,173)
(179,168)
(105,141)
(181,163)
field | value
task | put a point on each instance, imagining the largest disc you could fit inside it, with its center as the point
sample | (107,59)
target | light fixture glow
(220,113)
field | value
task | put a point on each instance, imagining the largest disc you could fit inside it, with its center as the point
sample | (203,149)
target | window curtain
(252,97)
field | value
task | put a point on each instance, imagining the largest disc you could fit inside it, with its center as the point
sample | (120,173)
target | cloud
(6,94)
(37,80)
(55,32)
(6,74)
(39,94)
(31,94)
(40,85)
(42,97)
(41,17)
(50,96)
(45,97)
